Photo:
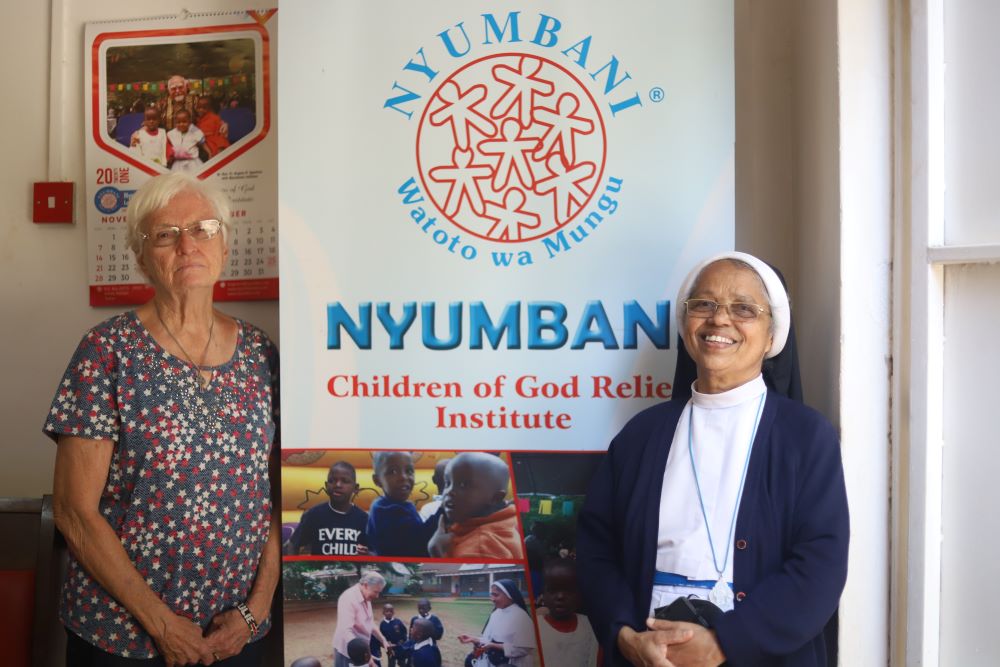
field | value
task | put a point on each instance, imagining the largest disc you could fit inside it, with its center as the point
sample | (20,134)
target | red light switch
(52,202)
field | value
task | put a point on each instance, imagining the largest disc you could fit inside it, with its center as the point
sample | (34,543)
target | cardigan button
(741,544)
(740,596)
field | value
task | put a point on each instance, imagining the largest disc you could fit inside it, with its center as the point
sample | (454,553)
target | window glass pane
(972,121)
(970,583)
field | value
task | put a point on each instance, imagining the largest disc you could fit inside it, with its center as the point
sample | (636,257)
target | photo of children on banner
(420,650)
(185,83)
(429,509)
(358,653)
(476,520)
(394,525)
(321,593)
(424,613)
(470,517)
(395,634)
(565,635)
(336,527)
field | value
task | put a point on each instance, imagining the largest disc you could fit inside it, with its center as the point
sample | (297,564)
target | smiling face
(727,352)
(499,598)
(182,121)
(395,475)
(388,612)
(177,88)
(370,591)
(202,107)
(189,264)
(341,485)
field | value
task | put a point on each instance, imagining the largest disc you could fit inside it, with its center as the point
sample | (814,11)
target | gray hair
(372,578)
(156,194)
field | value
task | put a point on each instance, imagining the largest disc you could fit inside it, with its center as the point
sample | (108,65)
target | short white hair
(156,194)
(372,578)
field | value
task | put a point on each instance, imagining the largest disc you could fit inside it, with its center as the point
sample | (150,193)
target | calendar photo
(181,105)
(194,94)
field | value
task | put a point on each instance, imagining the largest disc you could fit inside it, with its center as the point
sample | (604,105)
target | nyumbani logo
(511,139)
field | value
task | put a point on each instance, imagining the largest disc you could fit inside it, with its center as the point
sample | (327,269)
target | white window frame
(918,324)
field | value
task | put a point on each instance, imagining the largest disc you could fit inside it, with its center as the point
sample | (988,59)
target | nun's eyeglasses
(202,230)
(741,312)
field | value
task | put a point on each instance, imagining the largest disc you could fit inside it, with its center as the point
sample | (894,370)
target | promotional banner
(194,94)
(486,215)
(486,212)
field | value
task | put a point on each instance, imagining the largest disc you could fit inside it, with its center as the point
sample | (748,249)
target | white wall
(43,268)
(814,196)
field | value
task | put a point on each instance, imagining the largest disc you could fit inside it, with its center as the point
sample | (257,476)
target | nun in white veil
(509,635)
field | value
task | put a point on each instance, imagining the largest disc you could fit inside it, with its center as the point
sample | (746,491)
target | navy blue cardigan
(790,543)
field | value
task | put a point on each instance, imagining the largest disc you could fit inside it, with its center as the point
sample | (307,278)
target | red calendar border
(95,84)
(246,289)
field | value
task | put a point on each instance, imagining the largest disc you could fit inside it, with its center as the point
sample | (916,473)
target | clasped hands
(183,642)
(670,644)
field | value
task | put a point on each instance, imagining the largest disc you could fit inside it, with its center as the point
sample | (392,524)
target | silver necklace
(721,594)
(203,381)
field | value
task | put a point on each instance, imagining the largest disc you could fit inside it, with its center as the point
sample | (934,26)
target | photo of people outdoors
(343,509)
(178,105)
(393,614)
(390,503)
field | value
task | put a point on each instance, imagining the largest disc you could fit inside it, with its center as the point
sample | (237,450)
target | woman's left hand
(228,633)
(702,650)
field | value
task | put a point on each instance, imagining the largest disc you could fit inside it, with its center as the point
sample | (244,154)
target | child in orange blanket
(477,521)
(212,126)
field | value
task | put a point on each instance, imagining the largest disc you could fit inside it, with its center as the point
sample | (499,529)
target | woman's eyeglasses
(741,312)
(202,230)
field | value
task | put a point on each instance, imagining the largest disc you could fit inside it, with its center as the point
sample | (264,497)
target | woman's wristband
(248,617)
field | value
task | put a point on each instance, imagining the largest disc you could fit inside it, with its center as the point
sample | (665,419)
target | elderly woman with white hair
(165,424)
(736,496)
(355,618)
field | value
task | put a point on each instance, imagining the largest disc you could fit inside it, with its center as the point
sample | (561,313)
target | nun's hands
(649,648)
(701,650)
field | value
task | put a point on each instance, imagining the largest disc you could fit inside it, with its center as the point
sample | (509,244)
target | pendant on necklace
(721,595)
(203,381)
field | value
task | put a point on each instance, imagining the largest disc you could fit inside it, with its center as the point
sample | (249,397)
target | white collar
(427,642)
(732,397)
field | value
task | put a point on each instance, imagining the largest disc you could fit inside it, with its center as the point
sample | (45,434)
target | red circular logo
(511,147)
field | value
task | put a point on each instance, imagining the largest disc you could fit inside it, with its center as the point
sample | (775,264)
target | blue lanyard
(694,469)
